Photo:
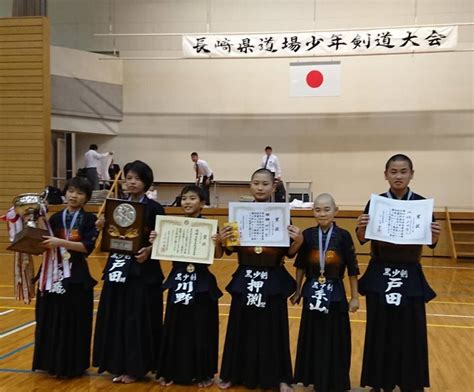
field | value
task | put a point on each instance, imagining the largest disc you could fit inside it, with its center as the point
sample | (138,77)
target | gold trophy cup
(29,206)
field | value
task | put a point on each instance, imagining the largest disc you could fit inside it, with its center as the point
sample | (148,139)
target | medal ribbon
(140,201)
(323,250)
(71,226)
(67,230)
(389,195)
(49,272)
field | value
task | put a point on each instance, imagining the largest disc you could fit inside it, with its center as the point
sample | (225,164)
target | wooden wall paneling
(25,109)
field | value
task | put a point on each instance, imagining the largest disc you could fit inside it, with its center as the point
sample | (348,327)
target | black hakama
(128,327)
(64,321)
(323,356)
(396,341)
(257,345)
(129,318)
(189,351)
(63,331)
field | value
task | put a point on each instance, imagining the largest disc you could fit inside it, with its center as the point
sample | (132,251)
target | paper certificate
(400,221)
(184,239)
(261,224)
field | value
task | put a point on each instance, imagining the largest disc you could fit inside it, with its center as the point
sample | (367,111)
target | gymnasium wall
(25,160)
(229,110)
(86,92)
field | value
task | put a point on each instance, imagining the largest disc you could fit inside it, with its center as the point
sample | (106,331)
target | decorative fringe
(23,277)
(23,267)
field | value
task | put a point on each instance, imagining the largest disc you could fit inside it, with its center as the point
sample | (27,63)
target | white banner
(382,41)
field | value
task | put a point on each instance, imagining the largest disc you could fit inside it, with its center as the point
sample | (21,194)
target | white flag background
(315,79)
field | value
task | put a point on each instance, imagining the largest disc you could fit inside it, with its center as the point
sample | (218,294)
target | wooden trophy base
(28,241)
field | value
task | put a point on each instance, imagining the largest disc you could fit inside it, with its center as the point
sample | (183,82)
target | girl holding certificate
(323,356)
(189,350)
(257,348)
(65,296)
(129,319)
(396,344)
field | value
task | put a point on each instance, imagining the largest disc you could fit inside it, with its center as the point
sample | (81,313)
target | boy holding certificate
(323,356)
(396,344)
(189,350)
(257,348)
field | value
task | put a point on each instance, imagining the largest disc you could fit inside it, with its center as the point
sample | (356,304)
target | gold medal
(322,278)
(258,250)
(190,268)
(66,255)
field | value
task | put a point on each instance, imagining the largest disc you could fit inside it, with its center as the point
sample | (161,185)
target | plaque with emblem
(124,226)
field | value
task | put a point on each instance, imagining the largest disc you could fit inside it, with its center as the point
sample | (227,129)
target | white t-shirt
(92,158)
(272,164)
(203,168)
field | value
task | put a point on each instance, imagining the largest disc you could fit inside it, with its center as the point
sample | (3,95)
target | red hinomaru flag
(321,79)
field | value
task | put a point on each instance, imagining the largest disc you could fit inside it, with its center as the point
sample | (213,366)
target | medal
(190,268)
(322,252)
(258,250)
(66,256)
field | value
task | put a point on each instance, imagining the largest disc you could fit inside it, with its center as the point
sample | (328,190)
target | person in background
(114,170)
(270,162)
(204,175)
(91,161)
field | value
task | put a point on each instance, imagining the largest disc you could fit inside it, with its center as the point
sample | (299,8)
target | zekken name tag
(124,225)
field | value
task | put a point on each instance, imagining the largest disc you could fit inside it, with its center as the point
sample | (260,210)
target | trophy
(29,207)
(124,225)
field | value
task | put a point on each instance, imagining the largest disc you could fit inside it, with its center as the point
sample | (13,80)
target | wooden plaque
(29,241)
(124,226)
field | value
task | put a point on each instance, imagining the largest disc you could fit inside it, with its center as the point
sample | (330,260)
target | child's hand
(295,234)
(435,232)
(363,221)
(52,242)
(153,235)
(224,234)
(143,255)
(295,298)
(354,305)
(99,223)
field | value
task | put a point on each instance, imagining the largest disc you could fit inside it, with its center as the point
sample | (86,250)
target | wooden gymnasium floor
(450,327)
